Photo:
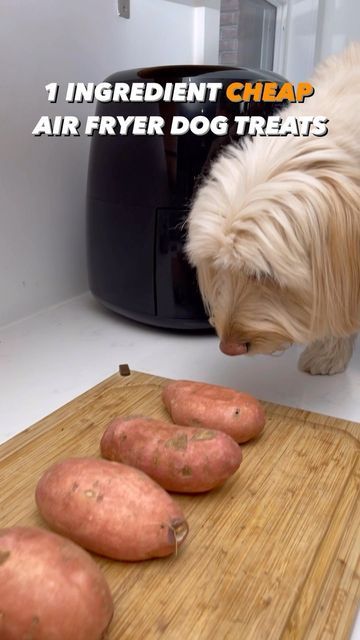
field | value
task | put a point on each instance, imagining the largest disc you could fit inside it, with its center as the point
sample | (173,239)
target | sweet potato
(185,459)
(198,404)
(50,588)
(110,508)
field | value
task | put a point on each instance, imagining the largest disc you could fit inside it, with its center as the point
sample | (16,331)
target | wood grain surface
(273,554)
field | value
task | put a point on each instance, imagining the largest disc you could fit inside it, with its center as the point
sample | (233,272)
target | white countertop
(51,357)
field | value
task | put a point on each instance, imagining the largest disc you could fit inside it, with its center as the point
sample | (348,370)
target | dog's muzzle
(233,348)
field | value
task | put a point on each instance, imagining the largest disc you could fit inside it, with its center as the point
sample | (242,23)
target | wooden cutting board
(272,554)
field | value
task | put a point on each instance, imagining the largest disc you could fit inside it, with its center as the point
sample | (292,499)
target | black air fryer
(139,191)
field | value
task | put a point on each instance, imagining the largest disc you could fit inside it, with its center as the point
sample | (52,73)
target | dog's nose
(233,348)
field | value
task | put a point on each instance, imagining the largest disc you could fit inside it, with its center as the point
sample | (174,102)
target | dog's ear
(336,273)
(262,247)
(258,246)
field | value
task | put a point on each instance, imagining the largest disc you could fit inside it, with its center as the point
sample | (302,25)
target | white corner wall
(43,180)
(206,34)
(339,24)
(301,25)
(316,29)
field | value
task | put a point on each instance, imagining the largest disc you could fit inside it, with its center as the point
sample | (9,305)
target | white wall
(316,29)
(206,34)
(43,180)
(339,24)
(300,44)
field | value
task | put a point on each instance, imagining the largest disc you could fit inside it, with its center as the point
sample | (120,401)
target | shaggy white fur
(274,231)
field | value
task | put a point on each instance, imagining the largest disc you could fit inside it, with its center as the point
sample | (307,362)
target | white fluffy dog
(274,232)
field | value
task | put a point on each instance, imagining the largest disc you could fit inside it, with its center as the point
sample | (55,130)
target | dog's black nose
(231,348)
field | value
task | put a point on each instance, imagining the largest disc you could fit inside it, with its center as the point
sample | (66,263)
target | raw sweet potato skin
(182,459)
(111,509)
(199,404)
(50,589)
